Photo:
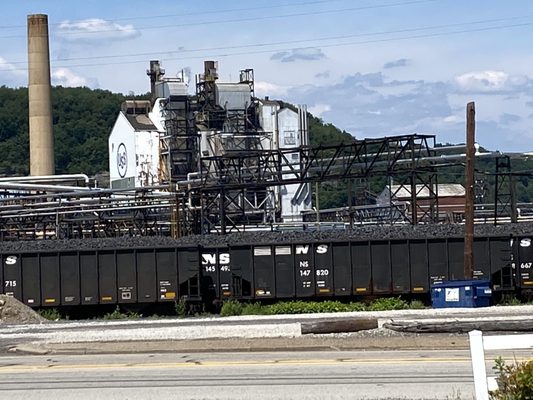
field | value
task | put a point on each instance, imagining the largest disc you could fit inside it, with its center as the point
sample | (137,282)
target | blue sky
(371,67)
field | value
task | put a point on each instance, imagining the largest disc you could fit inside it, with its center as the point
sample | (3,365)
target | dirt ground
(13,311)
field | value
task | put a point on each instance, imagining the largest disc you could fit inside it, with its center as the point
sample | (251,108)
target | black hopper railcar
(78,275)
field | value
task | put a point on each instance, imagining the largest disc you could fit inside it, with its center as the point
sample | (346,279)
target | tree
(82,120)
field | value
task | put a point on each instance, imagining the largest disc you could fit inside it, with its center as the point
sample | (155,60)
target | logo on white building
(122,160)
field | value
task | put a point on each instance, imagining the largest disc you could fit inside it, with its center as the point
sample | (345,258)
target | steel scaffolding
(30,215)
(221,185)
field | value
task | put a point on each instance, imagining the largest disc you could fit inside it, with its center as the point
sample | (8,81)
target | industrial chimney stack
(155,73)
(40,106)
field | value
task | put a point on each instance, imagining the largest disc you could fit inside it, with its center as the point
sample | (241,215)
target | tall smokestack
(155,73)
(40,106)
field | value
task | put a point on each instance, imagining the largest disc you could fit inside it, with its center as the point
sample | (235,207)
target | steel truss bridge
(235,192)
(231,191)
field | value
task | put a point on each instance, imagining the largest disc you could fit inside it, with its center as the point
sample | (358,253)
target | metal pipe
(80,207)
(80,203)
(76,200)
(79,199)
(286,151)
(189,199)
(319,169)
(89,192)
(453,147)
(300,124)
(67,212)
(48,178)
(33,186)
(306,126)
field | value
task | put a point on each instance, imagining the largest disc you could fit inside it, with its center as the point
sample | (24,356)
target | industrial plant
(184,142)
(208,157)
(214,194)
(212,158)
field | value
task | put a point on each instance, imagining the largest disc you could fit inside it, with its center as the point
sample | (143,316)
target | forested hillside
(83,119)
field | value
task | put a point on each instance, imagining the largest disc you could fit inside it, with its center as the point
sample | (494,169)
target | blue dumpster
(465,293)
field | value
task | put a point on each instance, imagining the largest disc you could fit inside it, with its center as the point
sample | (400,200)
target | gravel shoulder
(379,339)
(246,333)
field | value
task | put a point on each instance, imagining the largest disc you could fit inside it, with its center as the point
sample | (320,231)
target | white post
(478,365)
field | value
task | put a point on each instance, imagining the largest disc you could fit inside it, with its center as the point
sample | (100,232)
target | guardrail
(478,345)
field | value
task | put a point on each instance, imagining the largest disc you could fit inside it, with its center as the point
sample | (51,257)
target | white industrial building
(289,130)
(151,140)
(134,148)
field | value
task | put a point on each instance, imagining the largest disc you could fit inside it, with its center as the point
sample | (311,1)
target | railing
(478,345)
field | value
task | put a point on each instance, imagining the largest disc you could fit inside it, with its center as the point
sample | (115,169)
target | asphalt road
(262,375)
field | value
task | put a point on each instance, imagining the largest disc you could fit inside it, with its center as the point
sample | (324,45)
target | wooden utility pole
(469,188)
(317,206)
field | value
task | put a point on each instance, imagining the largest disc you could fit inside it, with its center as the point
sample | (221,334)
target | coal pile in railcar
(382,232)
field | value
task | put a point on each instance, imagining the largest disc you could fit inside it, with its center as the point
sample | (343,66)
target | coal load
(364,233)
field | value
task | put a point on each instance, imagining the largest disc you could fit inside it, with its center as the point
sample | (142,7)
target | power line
(289,42)
(384,40)
(269,7)
(223,11)
(247,19)
(379,33)
(266,17)
(297,41)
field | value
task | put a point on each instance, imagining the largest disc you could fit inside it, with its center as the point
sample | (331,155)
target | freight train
(208,270)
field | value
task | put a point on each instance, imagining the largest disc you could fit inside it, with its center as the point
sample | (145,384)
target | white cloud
(8,67)
(453,119)
(489,81)
(12,75)
(323,75)
(509,119)
(370,105)
(402,62)
(306,54)
(269,89)
(65,77)
(95,29)
(318,109)
(363,104)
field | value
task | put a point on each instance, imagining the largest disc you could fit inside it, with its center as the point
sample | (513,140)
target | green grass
(51,314)
(388,303)
(234,307)
(510,300)
(253,309)
(417,305)
(181,308)
(231,307)
(117,314)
